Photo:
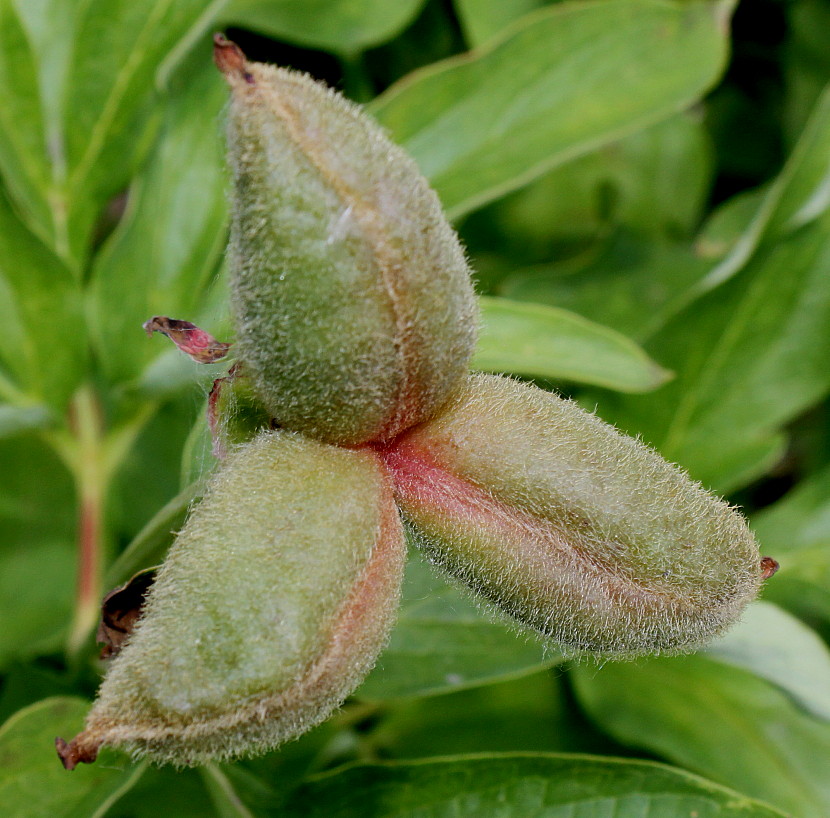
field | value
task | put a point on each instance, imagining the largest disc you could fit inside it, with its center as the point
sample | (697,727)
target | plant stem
(89,468)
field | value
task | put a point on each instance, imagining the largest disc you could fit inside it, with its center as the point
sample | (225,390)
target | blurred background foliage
(643,187)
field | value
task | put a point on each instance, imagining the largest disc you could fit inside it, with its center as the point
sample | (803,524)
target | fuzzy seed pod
(576,530)
(271,607)
(354,310)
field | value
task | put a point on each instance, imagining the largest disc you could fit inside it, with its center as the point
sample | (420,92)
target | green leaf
(546,342)
(722,722)
(162,258)
(37,555)
(151,543)
(164,792)
(777,647)
(520,784)
(342,26)
(482,20)
(629,283)
(796,530)
(32,780)
(631,183)
(17,419)
(80,80)
(755,359)
(42,355)
(801,518)
(443,641)
(559,83)
(532,713)
(799,195)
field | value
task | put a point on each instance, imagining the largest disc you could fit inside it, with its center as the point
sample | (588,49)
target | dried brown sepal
(769,566)
(121,608)
(201,346)
(230,59)
(76,752)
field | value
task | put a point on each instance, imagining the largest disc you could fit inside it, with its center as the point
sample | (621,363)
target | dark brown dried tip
(198,344)
(230,59)
(768,567)
(73,754)
(121,608)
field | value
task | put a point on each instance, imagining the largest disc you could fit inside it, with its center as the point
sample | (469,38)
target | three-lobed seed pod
(354,309)
(271,607)
(356,321)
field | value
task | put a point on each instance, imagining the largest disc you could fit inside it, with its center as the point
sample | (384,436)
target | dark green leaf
(527,714)
(81,82)
(443,641)
(485,19)
(42,355)
(520,785)
(546,342)
(342,26)
(32,781)
(777,647)
(557,85)
(37,555)
(162,258)
(722,722)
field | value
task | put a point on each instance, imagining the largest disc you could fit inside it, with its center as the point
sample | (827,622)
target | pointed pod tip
(230,59)
(74,752)
(768,567)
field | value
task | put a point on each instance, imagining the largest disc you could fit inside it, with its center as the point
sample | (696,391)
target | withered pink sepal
(576,530)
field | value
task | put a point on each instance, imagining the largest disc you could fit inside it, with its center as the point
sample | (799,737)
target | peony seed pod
(352,298)
(271,607)
(574,529)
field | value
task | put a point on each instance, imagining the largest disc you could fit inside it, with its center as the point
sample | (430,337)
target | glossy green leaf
(779,648)
(443,641)
(162,258)
(558,84)
(342,26)
(543,786)
(43,354)
(722,722)
(32,781)
(482,20)
(88,109)
(546,342)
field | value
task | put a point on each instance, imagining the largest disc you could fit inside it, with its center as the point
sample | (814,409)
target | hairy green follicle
(352,297)
(271,607)
(576,530)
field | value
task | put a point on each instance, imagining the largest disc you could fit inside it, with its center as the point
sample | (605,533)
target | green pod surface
(352,297)
(272,605)
(576,530)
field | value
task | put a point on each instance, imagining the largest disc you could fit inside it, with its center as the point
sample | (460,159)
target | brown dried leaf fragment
(201,346)
(121,608)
